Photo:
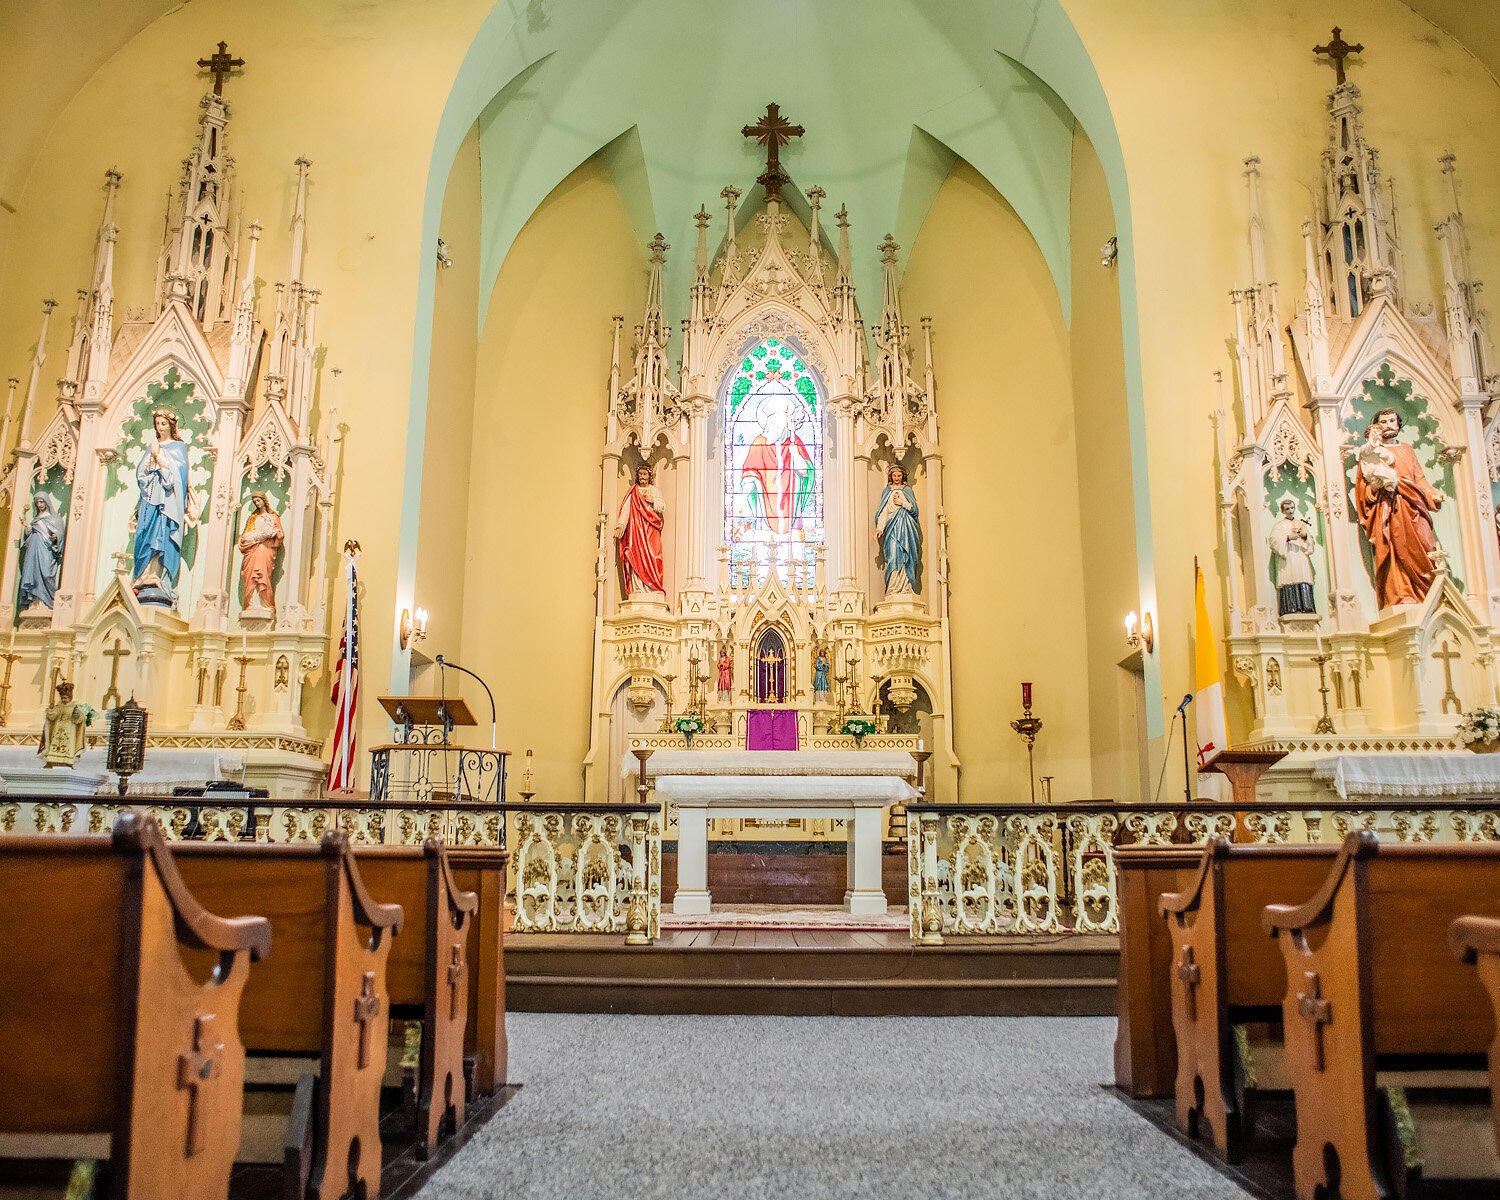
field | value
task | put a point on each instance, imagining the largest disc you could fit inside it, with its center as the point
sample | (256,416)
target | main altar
(771,559)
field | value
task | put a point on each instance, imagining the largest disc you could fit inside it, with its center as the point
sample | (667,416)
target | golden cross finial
(220,64)
(1338,50)
(773,131)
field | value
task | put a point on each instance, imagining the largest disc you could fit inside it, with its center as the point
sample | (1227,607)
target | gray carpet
(785,1108)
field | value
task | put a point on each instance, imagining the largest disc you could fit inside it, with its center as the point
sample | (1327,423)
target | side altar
(772,555)
(168,517)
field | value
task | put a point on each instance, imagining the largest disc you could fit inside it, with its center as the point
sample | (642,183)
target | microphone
(1186,700)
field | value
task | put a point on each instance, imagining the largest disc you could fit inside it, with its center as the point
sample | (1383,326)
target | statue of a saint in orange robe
(1397,519)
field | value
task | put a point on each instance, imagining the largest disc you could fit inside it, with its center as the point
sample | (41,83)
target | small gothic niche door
(770,668)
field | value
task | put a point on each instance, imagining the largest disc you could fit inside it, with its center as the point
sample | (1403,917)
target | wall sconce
(413,627)
(1139,633)
(1109,252)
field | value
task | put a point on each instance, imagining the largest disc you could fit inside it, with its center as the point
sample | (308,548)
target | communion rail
(1028,869)
(573,868)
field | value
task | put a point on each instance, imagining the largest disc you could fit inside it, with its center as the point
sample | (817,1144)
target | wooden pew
(106,1031)
(482,871)
(427,972)
(1374,1001)
(1145,1048)
(1477,940)
(321,996)
(1225,973)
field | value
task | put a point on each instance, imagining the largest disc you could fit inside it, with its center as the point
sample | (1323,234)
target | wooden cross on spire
(220,64)
(1338,50)
(773,131)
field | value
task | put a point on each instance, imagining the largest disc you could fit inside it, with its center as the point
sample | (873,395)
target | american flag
(341,773)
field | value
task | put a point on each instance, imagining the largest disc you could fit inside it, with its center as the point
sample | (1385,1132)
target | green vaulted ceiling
(882,127)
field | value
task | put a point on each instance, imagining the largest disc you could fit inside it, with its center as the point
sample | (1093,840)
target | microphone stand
(443,664)
(1187,774)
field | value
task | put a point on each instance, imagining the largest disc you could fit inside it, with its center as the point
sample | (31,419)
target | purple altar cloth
(771,729)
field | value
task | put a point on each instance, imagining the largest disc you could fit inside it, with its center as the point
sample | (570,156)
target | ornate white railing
(584,868)
(975,870)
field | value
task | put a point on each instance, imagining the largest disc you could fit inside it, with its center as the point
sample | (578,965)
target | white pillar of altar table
(858,801)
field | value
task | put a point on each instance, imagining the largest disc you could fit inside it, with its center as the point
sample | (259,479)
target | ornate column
(700,529)
(1344,559)
(75,589)
(1484,574)
(840,482)
(293,604)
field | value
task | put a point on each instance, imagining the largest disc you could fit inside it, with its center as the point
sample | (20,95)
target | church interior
(793,598)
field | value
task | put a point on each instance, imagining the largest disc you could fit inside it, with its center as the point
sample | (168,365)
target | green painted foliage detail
(738,392)
(807,391)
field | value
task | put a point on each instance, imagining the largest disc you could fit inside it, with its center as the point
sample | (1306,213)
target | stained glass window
(773,466)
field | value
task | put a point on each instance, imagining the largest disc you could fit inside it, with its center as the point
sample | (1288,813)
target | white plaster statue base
(859,801)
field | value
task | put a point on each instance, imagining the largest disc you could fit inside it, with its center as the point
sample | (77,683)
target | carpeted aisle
(745,1108)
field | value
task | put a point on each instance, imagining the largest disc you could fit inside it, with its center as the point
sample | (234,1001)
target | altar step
(811,973)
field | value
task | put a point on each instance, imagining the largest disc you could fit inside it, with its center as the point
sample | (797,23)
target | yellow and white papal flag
(1208,682)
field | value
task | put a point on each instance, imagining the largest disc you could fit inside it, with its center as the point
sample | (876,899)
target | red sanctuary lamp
(1028,727)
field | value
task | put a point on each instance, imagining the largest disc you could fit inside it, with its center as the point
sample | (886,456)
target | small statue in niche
(63,729)
(166,510)
(899,534)
(726,674)
(638,527)
(1292,543)
(1395,504)
(260,542)
(820,674)
(41,554)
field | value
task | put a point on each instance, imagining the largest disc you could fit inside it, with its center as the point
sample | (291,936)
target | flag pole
(348,669)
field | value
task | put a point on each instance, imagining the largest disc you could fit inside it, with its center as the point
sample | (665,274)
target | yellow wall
(443,550)
(1005,422)
(1107,530)
(538,434)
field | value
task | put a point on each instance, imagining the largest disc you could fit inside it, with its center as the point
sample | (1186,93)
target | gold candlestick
(1325,722)
(238,720)
(10,657)
(1028,727)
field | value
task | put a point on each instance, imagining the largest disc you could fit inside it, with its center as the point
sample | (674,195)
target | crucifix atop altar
(1338,50)
(773,131)
(221,64)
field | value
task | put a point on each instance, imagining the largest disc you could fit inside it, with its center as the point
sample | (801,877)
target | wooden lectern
(423,767)
(1243,769)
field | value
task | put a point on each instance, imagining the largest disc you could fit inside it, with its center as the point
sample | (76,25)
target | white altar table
(853,786)
(1462,776)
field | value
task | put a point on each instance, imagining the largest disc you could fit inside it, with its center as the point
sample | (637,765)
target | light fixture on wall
(1139,633)
(1109,252)
(413,626)
(445,260)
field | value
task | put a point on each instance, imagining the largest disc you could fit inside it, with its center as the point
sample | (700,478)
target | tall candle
(1026,695)
(244,646)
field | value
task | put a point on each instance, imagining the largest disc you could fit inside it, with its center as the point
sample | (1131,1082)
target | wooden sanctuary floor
(811,972)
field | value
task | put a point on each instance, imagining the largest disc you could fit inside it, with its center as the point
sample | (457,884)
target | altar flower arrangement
(687,726)
(89,713)
(858,727)
(1480,730)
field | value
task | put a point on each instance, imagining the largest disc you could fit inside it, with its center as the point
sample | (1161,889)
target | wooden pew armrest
(1472,936)
(458,900)
(1191,896)
(366,911)
(1293,917)
(196,926)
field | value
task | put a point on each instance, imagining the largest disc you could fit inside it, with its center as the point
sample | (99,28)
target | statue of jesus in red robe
(1398,520)
(638,528)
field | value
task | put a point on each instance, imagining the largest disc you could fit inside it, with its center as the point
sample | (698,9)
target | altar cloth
(770,790)
(898,763)
(1463,776)
(21,771)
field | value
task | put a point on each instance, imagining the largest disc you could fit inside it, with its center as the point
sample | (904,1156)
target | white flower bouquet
(1480,730)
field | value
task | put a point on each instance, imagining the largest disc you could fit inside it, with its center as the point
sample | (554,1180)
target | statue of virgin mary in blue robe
(163,513)
(41,554)
(900,535)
